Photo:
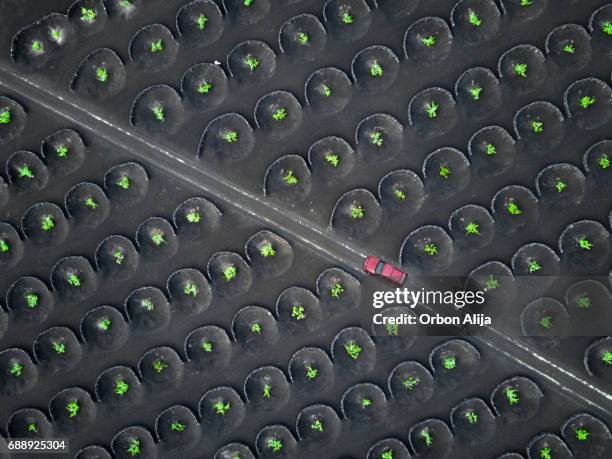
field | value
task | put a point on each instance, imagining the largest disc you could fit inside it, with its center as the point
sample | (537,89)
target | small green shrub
(336,290)
(475,92)
(432,109)
(124,182)
(512,395)
(5,116)
(290,178)
(88,15)
(430,249)
(201,21)
(472,228)
(121,387)
(205,87)
(353,350)
(587,101)
(73,408)
(252,63)
(267,250)
(429,41)
(520,69)
(102,74)
(377,139)
(473,18)
(357,212)
(157,46)
(230,273)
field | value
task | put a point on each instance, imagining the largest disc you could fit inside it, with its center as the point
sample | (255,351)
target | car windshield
(379,267)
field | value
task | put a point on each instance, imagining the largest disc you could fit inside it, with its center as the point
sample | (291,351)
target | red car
(378,267)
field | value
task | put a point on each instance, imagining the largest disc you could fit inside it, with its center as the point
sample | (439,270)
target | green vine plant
(430,249)
(25,172)
(410,382)
(134,448)
(280,114)
(252,63)
(546,322)
(275,444)
(121,387)
(230,273)
(560,186)
(357,212)
(230,136)
(73,408)
(31,300)
(513,208)
(426,436)
(158,237)
(471,416)
(157,46)
(290,178)
(193,216)
(353,350)
(346,17)
(473,18)
(537,126)
(59,348)
(317,425)
(429,41)
(159,113)
(302,38)
(449,362)
(88,15)
(376,70)
(201,22)
(73,280)
(222,407)
(432,110)
(472,228)
(102,74)
(569,48)
(587,101)
(104,324)
(336,290)
(444,172)
(57,35)
(533,266)
(191,289)
(124,182)
(311,372)
(16,369)
(332,159)
(159,366)
(37,47)
(512,395)
(5,117)
(205,87)
(520,69)
(377,139)
(298,312)
(267,250)
(177,427)
(475,92)
(582,434)
(584,243)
